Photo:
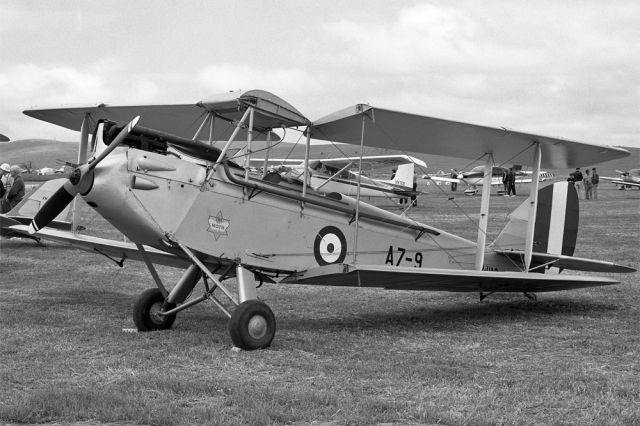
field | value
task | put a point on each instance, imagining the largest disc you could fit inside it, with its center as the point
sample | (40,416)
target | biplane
(475,177)
(216,221)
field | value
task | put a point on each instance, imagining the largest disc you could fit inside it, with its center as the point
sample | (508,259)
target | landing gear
(147,309)
(252,325)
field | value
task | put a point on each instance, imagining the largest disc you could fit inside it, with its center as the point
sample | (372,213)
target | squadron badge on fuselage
(218,225)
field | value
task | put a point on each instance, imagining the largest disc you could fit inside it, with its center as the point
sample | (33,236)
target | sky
(567,69)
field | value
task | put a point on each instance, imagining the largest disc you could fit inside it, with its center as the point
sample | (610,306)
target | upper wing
(185,119)
(441,179)
(441,279)
(415,133)
(373,161)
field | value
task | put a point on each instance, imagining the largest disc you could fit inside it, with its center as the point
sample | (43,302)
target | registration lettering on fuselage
(400,257)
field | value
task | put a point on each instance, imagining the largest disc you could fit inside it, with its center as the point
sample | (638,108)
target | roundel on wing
(330,246)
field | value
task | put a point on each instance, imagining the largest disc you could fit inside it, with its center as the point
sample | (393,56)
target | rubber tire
(142,318)
(239,325)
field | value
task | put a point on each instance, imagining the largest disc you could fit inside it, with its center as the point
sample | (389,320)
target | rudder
(556,227)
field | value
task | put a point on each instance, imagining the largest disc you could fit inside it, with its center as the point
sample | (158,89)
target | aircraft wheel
(252,325)
(146,309)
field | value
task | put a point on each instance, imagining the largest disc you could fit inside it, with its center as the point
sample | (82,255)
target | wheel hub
(155,313)
(257,327)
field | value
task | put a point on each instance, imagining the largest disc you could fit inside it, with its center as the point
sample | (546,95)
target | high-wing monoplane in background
(215,220)
(329,175)
(475,177)
(628,179)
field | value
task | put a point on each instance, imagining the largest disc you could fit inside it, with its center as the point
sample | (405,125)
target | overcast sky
(557,68)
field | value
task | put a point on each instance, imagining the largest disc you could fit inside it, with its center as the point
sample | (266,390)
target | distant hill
(44,153)
(39,152)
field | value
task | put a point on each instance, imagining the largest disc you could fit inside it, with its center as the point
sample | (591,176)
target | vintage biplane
(216,221)
(475,177)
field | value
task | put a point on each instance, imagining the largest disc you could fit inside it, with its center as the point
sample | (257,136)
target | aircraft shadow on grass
(455,318)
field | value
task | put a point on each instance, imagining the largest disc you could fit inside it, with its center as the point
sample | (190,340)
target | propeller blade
(114,143)
(53,206)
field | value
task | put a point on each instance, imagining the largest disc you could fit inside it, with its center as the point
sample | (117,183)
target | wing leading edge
(454,280)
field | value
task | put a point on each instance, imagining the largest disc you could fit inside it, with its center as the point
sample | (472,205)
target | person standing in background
(16,193)
(587,185)
(577,177)
(4,179)
(595,180)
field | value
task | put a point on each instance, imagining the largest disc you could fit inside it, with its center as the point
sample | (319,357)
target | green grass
(341,356)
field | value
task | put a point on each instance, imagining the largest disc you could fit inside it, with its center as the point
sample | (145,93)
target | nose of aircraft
(80,182)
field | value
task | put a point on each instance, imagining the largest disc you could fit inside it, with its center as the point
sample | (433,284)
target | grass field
(340,356)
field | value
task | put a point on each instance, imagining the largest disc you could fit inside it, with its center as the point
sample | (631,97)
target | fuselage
(158,200)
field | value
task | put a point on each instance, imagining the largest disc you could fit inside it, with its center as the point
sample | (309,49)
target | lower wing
(111,248)
(431,279)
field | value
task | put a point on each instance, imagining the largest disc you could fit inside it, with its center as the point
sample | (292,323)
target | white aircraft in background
(330,175)
(45,171)
(475,177)
(628,179)
(216,221)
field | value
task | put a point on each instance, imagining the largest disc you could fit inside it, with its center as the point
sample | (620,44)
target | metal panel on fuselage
(272,231)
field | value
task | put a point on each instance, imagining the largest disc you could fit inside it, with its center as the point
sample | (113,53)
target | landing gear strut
(252,324)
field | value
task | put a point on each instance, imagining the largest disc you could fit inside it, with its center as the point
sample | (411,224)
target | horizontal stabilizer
(431,279)
(568,262)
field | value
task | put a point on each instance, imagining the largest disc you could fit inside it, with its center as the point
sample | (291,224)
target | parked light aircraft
(475,177)
(216,221)
(24,211)
(49,171)
(628,179)
(329,175)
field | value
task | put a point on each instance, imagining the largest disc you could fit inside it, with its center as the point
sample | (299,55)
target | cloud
(556,69)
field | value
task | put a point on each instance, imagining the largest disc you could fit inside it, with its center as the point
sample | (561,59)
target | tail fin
(404,175)
(556,227)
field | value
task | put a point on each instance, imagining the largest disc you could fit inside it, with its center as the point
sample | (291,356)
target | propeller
(80,182)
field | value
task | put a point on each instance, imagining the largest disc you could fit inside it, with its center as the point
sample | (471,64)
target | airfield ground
(340,356)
